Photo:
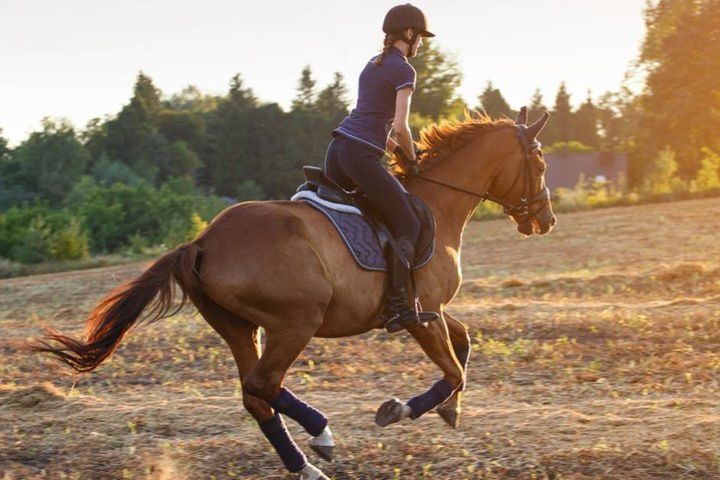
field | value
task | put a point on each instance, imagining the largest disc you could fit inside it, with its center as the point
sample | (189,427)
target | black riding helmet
(406,16)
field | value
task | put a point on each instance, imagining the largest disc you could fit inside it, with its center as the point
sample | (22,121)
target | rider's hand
(409,165)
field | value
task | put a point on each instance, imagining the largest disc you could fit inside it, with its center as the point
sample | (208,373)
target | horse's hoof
(450,415)
(324,451)
(311,472)
(389,412)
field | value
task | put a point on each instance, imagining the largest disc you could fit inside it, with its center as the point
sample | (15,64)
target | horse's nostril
(553,221)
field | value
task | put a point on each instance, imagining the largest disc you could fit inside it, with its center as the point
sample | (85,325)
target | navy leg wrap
(438,393)
(292,457)
(313,421)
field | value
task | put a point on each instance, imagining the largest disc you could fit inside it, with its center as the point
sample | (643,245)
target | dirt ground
(596,353)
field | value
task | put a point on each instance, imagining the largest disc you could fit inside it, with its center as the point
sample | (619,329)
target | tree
(332,100)
(107,172)
(239,95)
(229,131)
(306,95)
(146,93)
(708,177)
(585,125)
(537,108)
(661,175)
(680,104)
(438,79)
(182,126)
(155,142)
(4,150)
(561,127)
(50,162)
(494,104)
(192,99)
(132,137)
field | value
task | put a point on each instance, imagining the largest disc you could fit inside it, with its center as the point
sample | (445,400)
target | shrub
(708,177)
(661,178)
(566,147)
(184,230)
(70,243)
(34,244)
(487,210)
(29,234)
(107,172)
(249,190)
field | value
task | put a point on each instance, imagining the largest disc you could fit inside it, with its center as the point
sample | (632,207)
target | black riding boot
(397,314)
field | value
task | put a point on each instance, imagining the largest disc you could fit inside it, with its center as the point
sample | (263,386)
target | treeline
(164,164)
(235,146)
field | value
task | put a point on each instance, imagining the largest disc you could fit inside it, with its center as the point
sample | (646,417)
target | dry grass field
(596,355)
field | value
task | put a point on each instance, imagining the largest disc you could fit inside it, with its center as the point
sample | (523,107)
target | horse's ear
(534,130)
(522,116)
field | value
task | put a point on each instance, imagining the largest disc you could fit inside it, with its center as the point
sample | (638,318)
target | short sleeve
(405,77)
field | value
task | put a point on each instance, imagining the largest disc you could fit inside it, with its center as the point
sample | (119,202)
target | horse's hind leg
(265,380)
(435,341)
(243,340)
(451,409)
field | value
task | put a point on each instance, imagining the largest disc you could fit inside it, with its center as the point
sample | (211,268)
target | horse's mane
(440,139)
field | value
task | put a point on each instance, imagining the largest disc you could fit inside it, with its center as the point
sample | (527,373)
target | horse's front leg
(435,341)
(460,339)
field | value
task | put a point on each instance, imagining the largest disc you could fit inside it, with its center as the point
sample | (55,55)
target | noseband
(526,200)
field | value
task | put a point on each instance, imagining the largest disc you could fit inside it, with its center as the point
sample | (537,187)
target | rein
(523,208)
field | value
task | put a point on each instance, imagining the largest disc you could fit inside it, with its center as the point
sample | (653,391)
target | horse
(280,265)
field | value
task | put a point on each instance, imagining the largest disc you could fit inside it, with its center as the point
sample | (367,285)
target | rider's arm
(391,144)
(401,124)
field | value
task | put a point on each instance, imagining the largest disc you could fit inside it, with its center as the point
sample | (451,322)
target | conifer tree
(306,95)
(561,127)
(332,100)
(239,95)
(438,79)
(537,108)
(494,104)
(585,125)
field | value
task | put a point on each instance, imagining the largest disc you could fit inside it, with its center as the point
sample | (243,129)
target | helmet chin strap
(410,43)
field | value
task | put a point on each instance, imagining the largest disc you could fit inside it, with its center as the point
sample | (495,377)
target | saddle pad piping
(313,197)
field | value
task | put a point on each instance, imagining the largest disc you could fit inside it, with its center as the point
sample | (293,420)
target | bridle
(527,201)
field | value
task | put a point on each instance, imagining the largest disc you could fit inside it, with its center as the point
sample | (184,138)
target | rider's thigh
(385,192)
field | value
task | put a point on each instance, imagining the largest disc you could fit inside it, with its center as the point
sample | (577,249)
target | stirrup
(399,321)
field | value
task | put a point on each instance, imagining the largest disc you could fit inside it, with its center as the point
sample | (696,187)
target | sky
(79,59)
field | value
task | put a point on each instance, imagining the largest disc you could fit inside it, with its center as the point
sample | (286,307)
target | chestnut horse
(281,266)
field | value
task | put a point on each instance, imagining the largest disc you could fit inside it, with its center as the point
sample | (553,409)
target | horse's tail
(120,310)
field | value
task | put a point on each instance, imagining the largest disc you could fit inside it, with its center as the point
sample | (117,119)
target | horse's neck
(452,209)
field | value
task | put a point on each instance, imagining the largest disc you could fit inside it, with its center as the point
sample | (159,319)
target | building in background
(565,169)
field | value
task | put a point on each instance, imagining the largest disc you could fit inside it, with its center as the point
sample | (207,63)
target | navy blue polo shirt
(371,119)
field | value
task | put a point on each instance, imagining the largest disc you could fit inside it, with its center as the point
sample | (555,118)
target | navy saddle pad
(357,233)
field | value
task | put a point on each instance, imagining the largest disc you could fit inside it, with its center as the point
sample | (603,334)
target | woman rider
(353,158)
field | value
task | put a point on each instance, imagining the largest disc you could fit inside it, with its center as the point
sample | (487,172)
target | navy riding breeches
(352,164)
